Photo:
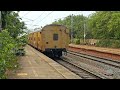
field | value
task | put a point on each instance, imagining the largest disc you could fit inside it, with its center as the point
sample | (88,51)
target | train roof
(35,31)
(49,25)
(54,25)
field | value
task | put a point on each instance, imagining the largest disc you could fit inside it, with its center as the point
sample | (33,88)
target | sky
(36,19)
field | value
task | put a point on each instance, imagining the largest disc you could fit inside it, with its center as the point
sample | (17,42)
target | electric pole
(71,28)
(84,27)
(84,32)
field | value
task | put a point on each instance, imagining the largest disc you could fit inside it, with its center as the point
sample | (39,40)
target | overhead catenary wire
(44,17)
(41,15)
(57,18)
(34,24)
(28,19)
(37,17)
(26,14)
(64,17)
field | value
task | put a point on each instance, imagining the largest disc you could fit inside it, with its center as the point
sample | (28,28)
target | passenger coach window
(55,36)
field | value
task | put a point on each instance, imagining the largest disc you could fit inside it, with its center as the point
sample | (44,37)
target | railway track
(82,72)
(112,63)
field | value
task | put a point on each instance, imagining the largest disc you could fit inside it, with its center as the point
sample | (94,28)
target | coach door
(57,38)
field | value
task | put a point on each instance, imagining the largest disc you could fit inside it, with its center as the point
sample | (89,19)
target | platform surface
(35,65)
(101,49)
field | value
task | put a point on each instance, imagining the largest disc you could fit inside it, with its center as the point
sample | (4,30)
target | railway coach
(52,40)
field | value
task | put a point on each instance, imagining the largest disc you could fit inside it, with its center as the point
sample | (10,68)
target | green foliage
(76,41)
(105,25)
(4,18)
(12,23)
(10,41)
(78,25)
(108,43)
(115,44)
(22,41)
(8,59)
(103,43)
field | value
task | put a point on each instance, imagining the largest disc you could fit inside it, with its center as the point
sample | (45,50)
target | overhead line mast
(71,28)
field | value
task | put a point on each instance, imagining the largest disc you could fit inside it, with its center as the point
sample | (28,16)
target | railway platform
(35,65)
(107,50)
(109,53)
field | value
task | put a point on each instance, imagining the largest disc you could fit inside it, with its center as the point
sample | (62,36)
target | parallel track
(112,63)
(82,72)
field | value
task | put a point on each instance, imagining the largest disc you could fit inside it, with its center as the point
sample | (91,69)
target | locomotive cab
(55,40)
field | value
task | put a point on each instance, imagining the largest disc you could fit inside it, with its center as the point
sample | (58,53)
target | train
(52,40)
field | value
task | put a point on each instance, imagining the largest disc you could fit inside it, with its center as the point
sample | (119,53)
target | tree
(105,24)
(11,22)
(7,53)
(78,22)
(10,40)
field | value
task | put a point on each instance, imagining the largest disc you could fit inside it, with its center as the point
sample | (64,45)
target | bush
(76,41)
(8,58)
(108,43)
(115,44)
(103,43)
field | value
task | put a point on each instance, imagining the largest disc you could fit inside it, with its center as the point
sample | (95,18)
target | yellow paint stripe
(29,62)
(36,75)
(22,74)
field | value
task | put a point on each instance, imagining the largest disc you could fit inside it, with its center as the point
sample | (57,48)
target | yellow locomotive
(52,40)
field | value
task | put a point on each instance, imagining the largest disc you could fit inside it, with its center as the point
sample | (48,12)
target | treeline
(102,25)
(10,41)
